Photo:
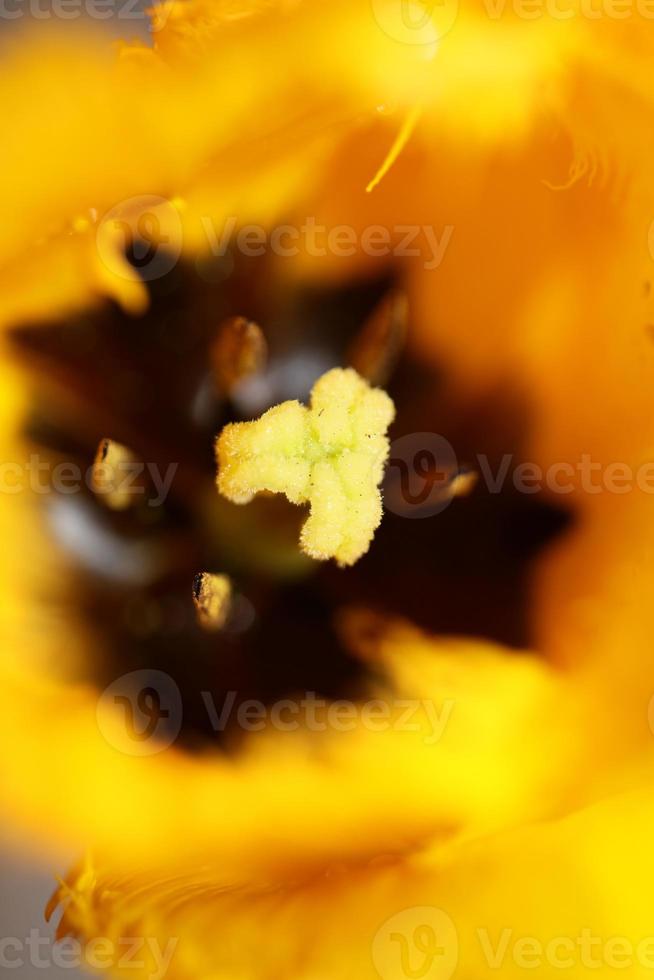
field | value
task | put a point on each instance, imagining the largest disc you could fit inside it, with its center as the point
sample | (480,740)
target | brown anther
(238,351)
(377,347)
(463,483)
(113,478)
(212,596)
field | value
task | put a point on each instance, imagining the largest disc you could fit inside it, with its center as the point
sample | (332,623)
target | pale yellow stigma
(330,455)
(212,596)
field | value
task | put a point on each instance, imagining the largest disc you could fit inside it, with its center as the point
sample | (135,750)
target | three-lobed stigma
(330,454)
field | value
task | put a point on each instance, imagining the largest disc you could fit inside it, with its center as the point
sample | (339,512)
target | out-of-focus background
(26,940)
(26,884)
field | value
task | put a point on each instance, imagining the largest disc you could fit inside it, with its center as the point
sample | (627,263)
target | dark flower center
(147,383)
